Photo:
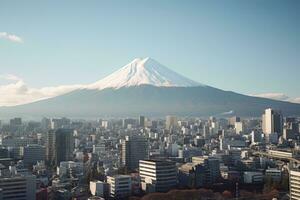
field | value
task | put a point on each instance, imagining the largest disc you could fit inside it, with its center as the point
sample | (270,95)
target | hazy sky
(251,47)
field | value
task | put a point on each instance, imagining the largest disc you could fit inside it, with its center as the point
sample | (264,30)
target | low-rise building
(211,168)
(294,185)
(70,168)
(34,153)
(18,187)
(99,188)
(253,177)
(274,174)
(157,175)
(119,186)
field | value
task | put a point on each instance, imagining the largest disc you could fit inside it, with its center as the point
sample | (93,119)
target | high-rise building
(272,122)
(206,132)
(34,153)
(291,128)
(134,148)
(294,185)
(50,146)
(15,121)
(18,187)
(233,120)
(60,145)
(45,123)
(171,122)
(157,175)
(64,145)
(119,186)
(142,121)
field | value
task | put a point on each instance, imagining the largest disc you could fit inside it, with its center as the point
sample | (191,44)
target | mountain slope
(151,101)
(146,87)
(145,71)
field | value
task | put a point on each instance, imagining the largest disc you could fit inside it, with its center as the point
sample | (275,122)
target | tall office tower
(134,148)
(15,122)
(157,175)
(291,128)
(206,132)
(239,127)
(294,185)
(211,166)
(50,146)
(142,121)
(18,187)
(64,145)
(34,153)
(272,122)
(45,123)
(119,186)
(233,120)
(171,122)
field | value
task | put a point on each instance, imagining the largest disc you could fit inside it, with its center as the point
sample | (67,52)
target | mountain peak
(144,71)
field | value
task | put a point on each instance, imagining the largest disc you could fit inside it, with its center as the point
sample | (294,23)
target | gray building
(60,145)
(211,168)
(50,142)
(34,153)
(134,148)
(142,121)
(191,175)
(64,145)
(18,187)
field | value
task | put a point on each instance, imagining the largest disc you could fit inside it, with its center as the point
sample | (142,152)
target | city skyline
(144,157)
(218,41)
(149,100)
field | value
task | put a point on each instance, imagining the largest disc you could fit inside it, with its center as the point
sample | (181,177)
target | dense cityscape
(151,158)
(149,100)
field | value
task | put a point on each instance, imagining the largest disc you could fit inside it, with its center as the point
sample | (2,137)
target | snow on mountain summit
(143,71)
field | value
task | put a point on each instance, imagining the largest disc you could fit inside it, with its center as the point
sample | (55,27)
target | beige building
(294,185)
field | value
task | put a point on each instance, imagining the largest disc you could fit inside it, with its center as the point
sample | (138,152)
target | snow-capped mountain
(143,71)
(146,87)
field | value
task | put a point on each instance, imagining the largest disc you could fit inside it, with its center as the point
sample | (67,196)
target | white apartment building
(157,176)
(294,185)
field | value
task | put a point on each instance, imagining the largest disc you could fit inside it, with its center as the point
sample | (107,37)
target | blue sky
(251,47)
